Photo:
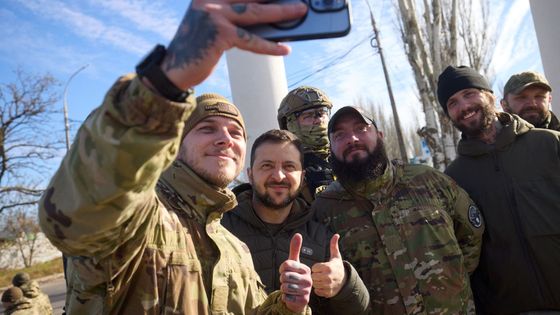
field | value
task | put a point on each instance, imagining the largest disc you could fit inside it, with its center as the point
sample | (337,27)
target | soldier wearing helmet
(305,112)
(31,291)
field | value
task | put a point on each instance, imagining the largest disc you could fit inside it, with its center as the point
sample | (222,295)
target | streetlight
(66,123)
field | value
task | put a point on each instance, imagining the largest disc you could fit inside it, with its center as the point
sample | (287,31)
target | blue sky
(111,36)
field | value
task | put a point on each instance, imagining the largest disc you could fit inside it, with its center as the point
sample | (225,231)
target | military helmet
(298,99)
(20,279)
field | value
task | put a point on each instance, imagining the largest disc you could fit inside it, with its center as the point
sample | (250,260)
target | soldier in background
(305,112)
(412,233)
(32,291)
(14,303)
(136,203)
(528,95)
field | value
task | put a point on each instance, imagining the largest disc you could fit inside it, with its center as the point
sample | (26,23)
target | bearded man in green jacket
(136,204)
(512,171)
(413,234)
(270,212)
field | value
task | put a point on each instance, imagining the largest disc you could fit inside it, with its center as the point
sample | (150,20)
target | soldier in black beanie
(511,171)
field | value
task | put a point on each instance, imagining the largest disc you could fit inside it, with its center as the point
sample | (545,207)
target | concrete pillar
(547,26)
(258,85)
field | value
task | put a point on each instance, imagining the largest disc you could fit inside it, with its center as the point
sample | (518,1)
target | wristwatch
(150,68)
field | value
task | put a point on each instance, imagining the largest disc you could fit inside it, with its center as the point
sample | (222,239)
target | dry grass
(36,271)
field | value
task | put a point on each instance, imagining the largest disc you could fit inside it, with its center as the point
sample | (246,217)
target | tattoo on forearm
(197,32)
(239,8)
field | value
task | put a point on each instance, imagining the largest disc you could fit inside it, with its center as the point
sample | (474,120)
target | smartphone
(324,19)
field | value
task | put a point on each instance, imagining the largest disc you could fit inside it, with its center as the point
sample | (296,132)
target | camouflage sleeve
(104,189)
(469,227)
(273,305)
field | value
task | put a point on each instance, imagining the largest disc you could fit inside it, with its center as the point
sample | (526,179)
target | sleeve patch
(474,216)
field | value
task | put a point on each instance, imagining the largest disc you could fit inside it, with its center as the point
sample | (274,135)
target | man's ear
(250,175)
(505,105)
(381,134)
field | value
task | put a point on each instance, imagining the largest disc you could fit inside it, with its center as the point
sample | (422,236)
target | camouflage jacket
(39,299)
(130,250)
(413,235)
(23,307)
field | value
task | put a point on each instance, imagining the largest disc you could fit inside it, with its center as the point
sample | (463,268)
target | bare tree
(27,140)
(436,34)
(24,229)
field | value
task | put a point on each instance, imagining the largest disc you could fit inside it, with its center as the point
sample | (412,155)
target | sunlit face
(531,104)
(313,116)
(471,111)
(276,174)
(215,149)
(352,139)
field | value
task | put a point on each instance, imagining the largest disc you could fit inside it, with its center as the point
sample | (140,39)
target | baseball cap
(212,104)
(349,110)
(520,81)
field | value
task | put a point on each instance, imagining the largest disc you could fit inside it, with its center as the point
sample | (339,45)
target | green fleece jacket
(516,184)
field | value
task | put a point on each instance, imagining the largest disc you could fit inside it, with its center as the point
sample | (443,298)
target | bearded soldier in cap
(305,112)
(137,202)
(412,233)
(512,171)
(528,95)
(32,291)
(14,303)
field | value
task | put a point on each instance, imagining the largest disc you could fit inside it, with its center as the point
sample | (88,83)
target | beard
(535,115)
(266,199)
(477,129)
(357,170)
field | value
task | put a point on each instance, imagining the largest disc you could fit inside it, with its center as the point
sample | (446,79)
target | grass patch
(36,271)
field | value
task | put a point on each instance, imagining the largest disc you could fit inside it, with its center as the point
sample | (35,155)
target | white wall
(547,25)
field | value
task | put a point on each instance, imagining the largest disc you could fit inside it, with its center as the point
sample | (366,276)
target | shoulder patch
(474,216)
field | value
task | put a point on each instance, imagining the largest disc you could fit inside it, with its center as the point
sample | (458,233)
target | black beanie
(455,79)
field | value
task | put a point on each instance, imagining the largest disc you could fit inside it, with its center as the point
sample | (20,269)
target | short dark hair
(277,136)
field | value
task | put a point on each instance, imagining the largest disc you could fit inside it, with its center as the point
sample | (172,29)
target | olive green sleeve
(469,227)
(103,191)
(353,298)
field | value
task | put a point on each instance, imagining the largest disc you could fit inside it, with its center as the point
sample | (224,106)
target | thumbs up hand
(329,277)
(295,278)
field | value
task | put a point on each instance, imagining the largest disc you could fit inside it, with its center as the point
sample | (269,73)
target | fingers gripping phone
(324,19)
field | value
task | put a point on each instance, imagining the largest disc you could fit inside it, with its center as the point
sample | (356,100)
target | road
(56,290)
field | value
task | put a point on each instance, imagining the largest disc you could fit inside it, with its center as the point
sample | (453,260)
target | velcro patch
(475,218)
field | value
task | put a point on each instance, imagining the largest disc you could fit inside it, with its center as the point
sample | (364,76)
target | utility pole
(66,123)
(377,46)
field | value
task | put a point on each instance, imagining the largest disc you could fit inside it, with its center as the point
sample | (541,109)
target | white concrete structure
(547,25)
(258,85)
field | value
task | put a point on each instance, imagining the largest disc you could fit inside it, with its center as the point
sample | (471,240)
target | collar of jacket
(200,196)
(378,187)
(299,213)
(551,122)
(512,126)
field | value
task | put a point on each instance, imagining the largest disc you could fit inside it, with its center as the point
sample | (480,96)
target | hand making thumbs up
(329,277)
(295,278)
